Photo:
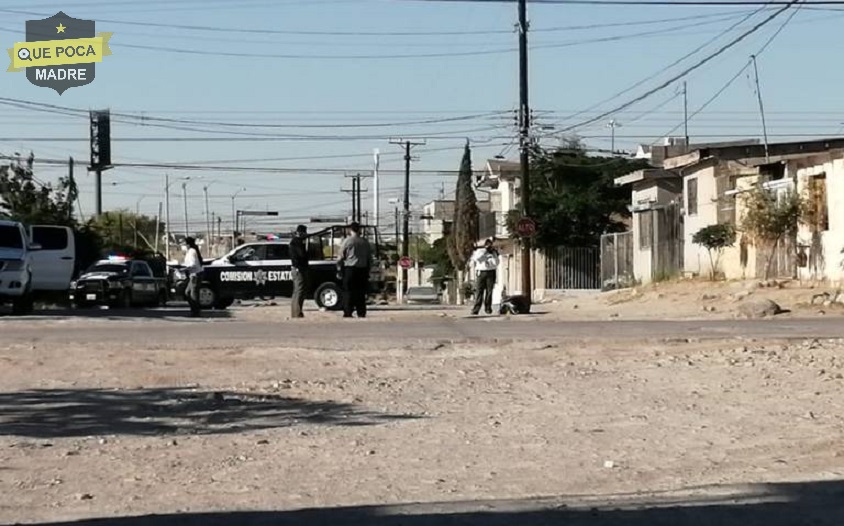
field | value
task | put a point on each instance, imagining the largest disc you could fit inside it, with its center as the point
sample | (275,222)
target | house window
(818,209)
(646,229)
(726,186)
(691,197)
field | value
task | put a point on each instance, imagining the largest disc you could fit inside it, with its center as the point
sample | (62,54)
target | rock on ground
(759,309)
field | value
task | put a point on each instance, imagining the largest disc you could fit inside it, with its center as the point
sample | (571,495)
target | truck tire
(329,297)
(207,296)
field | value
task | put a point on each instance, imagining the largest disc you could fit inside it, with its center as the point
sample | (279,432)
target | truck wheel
(207,297)
(23,305)
(328,296)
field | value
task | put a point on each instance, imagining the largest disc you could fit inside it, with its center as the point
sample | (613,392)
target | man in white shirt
(485,260)
(193,268)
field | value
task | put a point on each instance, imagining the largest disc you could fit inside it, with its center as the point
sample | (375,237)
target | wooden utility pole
(524,145)
(406,219)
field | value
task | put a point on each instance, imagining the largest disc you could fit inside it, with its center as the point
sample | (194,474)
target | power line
(220,29)
(636,3)
(740,71)
(671,65)
(688,70)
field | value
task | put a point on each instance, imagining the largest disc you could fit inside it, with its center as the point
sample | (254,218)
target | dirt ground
(87,431)
(696,299)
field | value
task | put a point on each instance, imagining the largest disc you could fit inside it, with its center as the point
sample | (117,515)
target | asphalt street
(172,326)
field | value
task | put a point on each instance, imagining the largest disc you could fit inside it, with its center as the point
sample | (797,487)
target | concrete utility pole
(234,218)
(185,199)
(375,196)
(406,220)
(167,215)
(612,125)
(524,144)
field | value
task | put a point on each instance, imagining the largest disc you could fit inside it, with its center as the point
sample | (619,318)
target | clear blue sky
(319,81)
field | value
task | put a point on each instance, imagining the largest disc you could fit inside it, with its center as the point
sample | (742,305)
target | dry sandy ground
(695,299)
(677,300)
(90,432)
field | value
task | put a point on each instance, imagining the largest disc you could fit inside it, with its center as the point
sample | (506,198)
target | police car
(263,269)
(118,281)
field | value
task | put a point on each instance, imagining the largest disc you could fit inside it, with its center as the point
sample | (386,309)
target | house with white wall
(656,224)
(436,219)
(714,178)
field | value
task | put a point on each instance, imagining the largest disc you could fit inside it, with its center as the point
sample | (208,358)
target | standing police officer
(299,270)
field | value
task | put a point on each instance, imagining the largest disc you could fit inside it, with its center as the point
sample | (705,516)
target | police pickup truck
(263,269)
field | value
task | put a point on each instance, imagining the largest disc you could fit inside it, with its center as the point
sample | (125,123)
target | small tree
(464,234)
(715,238)
(770,217)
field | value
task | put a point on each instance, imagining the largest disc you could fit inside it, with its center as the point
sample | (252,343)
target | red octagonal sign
(526,227)
(405,262)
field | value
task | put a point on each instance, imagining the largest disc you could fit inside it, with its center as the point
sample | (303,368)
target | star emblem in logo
(260,277)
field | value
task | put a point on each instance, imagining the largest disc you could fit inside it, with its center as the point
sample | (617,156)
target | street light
(234,217)
(207,212)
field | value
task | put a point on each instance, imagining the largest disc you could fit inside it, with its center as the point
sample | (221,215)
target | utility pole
(185,199)
(356,191)
(375,196)
(761,108)
(686,113)
(167,215)
(406,219)
(157,226)
(234,218)
(612,125)
(524,144)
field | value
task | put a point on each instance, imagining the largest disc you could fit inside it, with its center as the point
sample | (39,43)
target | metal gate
(617,261)
(573,268)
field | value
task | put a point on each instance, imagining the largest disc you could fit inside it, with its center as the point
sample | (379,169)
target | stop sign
(405,262)
(526,227)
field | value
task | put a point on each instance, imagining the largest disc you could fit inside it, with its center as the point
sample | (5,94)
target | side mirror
(232,259)
(35,247)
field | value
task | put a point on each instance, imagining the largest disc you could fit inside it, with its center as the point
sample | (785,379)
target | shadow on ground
(91,412)
(814,503)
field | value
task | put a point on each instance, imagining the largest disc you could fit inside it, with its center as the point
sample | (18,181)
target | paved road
(172,327)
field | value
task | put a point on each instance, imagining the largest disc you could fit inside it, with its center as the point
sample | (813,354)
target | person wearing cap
(355,260)
(486,264)
(299,270)
(193,268)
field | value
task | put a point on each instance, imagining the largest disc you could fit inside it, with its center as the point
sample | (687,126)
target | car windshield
(113,267)
(10,237)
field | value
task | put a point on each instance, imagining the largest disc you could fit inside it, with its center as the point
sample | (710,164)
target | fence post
(615,259)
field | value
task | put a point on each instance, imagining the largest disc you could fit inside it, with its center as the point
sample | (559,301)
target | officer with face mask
(299,260)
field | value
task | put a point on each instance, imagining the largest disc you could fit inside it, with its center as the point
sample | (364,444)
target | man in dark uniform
(299,270)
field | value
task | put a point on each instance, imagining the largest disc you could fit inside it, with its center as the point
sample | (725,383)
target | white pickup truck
(34,260)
